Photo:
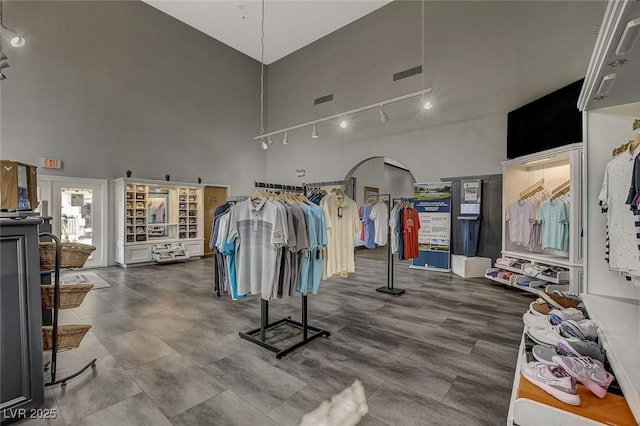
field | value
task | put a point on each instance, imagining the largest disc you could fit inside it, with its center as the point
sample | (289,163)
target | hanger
(257,195)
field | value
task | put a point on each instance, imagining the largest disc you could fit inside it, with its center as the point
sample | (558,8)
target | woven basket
(71,295)
(73,255)
(69,336)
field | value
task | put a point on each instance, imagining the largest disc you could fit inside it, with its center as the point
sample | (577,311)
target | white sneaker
(549,336)
(589,372)
(536,321)
(584,330)
(560,315)
(553,380)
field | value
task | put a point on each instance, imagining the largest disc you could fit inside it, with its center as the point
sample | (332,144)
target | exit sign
(51,163)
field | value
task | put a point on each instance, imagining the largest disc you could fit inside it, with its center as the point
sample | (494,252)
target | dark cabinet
(21,368)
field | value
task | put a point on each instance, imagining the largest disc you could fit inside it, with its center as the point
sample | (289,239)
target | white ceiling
(288,25)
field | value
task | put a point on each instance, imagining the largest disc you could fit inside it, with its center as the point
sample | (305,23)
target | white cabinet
(151,212)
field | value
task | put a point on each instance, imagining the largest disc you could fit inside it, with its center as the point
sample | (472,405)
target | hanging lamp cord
(262,71)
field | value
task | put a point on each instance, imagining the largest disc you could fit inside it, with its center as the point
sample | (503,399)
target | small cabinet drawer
(137,254)
(194,248)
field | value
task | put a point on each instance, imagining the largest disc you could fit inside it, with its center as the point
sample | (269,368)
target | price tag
(339,211)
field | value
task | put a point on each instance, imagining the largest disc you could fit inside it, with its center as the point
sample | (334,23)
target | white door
(77,210)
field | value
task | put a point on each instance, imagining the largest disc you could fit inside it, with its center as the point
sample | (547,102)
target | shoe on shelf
(558,302)
(560,315)
(580,348)
(536,321)
(544,354)
(549,336)
(553,380)
(587,371)
(539,307)
(583,330)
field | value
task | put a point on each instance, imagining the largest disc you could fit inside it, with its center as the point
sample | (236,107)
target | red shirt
(410,226)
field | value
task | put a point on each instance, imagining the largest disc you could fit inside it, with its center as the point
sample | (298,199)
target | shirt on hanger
(411,225)
(519,219)
(341,216)
(553,218)
(380,217)
(393,220)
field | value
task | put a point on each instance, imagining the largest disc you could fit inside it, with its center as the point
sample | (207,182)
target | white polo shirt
(258,229)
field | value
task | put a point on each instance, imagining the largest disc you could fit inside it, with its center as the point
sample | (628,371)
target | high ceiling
(288,25)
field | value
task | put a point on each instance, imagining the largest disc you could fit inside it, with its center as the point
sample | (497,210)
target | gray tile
(175,384)
(138,410)
(484,401)
(226,408)
(257,382)
(325,373)
(136,348)
(396,405)
(419,377)
(202,345)
(89,348)
(437,335)
(94,390)
(290,412)
(50,408)
(111,324)
(94,305)
(162,324)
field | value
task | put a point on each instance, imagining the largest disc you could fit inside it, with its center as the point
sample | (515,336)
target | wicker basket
(71,295)
(69,336)
(73,255)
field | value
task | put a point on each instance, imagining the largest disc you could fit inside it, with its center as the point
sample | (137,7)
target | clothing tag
(339,211)
(317,255)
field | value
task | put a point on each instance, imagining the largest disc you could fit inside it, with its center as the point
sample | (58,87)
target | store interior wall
(483,59)
(371,174)
(398,181)
(110,86)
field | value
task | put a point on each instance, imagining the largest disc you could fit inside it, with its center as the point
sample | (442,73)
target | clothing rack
(265,325)
(328,183)
(389,289)
(266,185)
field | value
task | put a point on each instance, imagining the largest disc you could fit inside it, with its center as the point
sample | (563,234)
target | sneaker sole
(559,395)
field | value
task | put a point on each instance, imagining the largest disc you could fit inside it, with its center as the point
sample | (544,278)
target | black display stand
(389,289)
(265,325)
(56,304)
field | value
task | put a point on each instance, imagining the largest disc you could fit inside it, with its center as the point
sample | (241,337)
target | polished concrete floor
(169,353)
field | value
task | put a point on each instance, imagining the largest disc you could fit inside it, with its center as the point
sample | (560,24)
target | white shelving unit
(140,226)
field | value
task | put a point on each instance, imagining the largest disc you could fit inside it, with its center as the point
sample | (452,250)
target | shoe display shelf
(153,212)
(531,283)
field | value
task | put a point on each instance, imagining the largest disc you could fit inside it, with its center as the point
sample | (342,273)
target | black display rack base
(252,336)
(394,291)
(63,381)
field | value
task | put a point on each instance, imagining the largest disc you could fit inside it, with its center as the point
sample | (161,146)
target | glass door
(76,211)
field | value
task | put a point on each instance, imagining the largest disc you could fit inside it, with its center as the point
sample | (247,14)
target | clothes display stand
(389,289)
(307,337)
(56,304)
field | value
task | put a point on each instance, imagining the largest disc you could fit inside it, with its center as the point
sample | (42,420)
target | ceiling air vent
(323,99)
(407,73)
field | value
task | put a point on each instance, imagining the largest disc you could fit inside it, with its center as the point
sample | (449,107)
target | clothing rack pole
(265,326)
(389,289)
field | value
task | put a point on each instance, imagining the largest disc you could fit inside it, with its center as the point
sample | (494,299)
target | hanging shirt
(393,221)
(553,218)
(411,225)
(305,265)
(258,229)
(623,243)
(369,227)
(380,217)
(341,216)
(519,217)
(315,255)
(400,234)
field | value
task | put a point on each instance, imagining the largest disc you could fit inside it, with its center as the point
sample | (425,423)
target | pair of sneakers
(569,330)
(560,379)
(569,348)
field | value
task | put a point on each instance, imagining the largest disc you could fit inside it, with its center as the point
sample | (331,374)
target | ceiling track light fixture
(285,139)
(629,37)
(343,115)
(263,145)
(14,38)
(344,123)
(269,141)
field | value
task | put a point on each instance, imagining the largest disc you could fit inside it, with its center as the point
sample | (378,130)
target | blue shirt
(305,265)
(369,227)
(400,235)
(320,229)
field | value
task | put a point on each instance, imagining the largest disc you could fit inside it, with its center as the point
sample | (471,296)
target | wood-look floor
(168,351)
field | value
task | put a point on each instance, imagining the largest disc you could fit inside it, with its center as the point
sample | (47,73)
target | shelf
(509,268)
(619,322)
(548,259)
(498,280)
(162,224)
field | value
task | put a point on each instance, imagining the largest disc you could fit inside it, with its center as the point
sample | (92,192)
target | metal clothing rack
(279,186)
(329,183)
(265,325)
(389,288)
(56,304)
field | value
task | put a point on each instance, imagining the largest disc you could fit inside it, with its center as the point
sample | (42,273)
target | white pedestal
(469,267)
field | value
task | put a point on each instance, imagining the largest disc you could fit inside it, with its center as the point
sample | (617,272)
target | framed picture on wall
(370,192)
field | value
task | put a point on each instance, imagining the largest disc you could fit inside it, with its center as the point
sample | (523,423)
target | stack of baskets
(73,255)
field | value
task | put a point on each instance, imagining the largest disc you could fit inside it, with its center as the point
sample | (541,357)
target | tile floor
(169,353)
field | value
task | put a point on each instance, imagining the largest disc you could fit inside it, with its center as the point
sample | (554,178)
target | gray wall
(482,59)
(369,173)
(398,182)
(116,85)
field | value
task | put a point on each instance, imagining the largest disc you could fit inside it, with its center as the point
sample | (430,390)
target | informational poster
(470,197)
(433,203)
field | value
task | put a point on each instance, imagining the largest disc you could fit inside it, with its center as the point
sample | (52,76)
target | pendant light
(344,123)
(314,131)
(285,139)
(383,115)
